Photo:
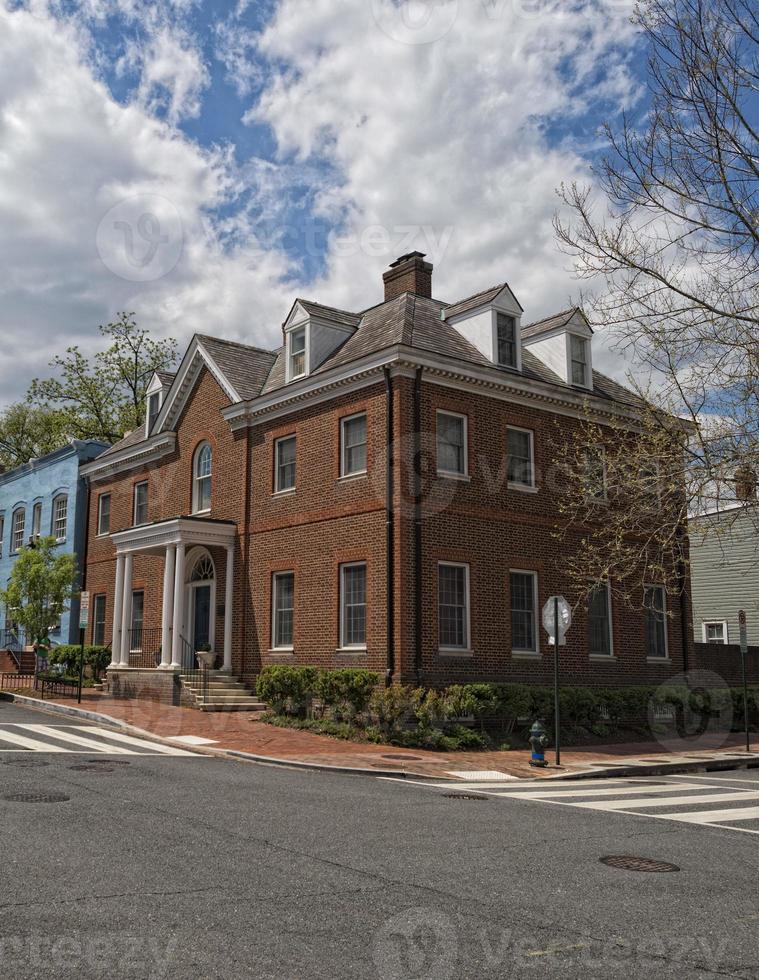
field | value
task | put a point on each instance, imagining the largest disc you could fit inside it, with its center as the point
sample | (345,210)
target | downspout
(417,413)
(389,529)
(245,549)
(85,549)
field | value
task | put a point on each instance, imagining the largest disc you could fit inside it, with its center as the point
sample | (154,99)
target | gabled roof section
(483,298)
(244,367)
(166,377)
(342,318)
(556,321)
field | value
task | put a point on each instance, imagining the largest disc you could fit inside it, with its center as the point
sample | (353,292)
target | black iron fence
(16,682)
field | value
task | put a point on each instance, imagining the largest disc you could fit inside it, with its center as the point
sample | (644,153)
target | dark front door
(201,632)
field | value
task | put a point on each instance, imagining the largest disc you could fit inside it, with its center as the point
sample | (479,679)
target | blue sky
(201,164)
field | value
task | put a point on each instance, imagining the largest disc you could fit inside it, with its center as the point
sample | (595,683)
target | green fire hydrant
(538,741)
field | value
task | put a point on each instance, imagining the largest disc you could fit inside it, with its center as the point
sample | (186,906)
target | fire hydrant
(538,741)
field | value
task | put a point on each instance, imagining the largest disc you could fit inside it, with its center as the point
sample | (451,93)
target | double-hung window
(297,353)
(715,632)
(60,517)
(284,464)
(595,473)
(524,602)
(578,355)
(520,469)
(451,444)
(283,607)
(353,445)
(154,406)
(104,513)
(599,621)
(453,606)
(17,529)
(201,478)
(654,604)
(36,521)
(506,340)
(353,605)
(98,620)
(140,514)
(138,607)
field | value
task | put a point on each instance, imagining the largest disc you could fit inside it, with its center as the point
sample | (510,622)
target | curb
(713,765)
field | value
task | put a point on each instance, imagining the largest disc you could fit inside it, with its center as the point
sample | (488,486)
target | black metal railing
(194,672)
(144,646)
(16,682)
(12,640)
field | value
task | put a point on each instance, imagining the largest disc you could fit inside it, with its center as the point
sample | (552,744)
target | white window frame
(344,472)
(467,648)
(610,654)
(196,480)
(54,517)
(274,644)
(132,627)
(455,474)
(298,328)
(494,311)
(100,531)
(277,448)
(716,622)
(36,520)
(588,370)
(17,533)
(649,657)
(148,422)
(343,608)
(139,483)
(513,485)
(522,651)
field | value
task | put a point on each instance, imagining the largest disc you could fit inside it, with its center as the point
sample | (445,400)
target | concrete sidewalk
(244,733)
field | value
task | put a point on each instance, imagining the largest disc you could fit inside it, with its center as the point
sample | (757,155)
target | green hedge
(67,655)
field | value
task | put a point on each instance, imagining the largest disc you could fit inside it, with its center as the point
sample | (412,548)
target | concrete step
(231,706)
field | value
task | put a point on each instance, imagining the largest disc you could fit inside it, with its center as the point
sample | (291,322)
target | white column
(176,646)
(228,604)
(168,605)
(126,611)
(118,598)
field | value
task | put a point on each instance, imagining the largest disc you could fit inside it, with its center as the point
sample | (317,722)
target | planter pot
(206,657)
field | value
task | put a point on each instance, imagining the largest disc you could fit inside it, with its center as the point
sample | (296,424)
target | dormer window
(154,407)
(506,340)
(297,353)
(578,354)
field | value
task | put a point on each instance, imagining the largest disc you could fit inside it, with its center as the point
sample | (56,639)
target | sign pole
(81,665)
(84,615)
(557,719)
(744,651)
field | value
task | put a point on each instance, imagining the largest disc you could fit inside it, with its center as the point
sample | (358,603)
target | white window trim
(344,475)
(467,649)
(494,311)
(603,657)
(453,474)
(295,328)
(352,647)
(196,479)
(54,518)
(99,533)
(148,396)
(131,620)
(666,657)
(588,383)
(716,622)
(526,487)
(520,652)
(15,548)
(287,647)
(139,483)
(277,444)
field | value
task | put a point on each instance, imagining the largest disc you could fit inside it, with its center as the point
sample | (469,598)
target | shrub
(287,689)
(392,706)
(346,692)
(67,655)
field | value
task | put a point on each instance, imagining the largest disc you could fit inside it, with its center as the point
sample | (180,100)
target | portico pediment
(177,530)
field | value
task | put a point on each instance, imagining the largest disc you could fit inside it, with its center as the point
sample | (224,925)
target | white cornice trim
(139,454)
(178,530)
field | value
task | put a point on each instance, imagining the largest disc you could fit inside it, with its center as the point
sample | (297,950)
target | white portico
(190,576)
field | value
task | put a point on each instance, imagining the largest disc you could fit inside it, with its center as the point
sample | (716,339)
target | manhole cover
(36,798)
(625,863)
(464,796)
(409,758)
(92,768)
(26,763)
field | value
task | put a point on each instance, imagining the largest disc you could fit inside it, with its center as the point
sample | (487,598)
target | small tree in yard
(41,586)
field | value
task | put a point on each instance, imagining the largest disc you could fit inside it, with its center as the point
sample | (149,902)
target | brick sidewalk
(243,731)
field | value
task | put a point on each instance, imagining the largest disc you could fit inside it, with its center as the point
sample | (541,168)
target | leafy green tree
(40,588)
(27,431)
(103,396)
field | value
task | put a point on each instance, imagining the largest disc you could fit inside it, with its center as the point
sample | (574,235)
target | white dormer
(563,343)
(312,332)
(491,321)
(154,395)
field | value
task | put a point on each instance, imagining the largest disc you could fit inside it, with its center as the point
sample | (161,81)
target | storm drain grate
(91,767)
(626,863)
(36,798)
(464,796)
(409,758)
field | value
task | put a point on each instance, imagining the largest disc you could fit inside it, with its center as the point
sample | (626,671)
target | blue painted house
(45,496)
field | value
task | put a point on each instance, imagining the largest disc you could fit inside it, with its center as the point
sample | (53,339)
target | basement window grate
(627,863)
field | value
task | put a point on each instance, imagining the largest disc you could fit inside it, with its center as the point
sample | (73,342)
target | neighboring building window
(656,621)
(36,520)
(60,517)
(353,605)
(524,633)
(451,443)
(154,406)
(283,605)
(138,608)
(519,453)
(17,529)
(104,513)
(284,464)
(298,353)
(595,472)
(506,330)
(2,534)
(98,620)
(353,445)
(141,503)
(599,621)
(201,478)
(453,606)
(715,632)
(578,354)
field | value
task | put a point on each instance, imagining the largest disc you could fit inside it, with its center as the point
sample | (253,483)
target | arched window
(60,517)
(17,528)
(201,478)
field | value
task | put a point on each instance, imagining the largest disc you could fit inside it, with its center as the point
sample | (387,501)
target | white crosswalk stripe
(80,740)
(636,798)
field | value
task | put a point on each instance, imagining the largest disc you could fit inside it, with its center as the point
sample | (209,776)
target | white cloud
(172,73)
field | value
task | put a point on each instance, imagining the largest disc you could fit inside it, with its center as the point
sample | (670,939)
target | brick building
(271,508)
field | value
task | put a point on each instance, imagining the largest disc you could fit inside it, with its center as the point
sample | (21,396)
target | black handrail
(145,646)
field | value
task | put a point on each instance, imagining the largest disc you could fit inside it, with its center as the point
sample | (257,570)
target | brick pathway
(244,731)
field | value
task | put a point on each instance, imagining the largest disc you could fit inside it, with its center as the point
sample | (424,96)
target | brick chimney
(745,483)
(408,274)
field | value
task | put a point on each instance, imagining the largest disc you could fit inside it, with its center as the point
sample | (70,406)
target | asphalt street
(159,865)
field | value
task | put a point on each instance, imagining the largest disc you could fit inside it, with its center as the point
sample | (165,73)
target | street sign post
(84,616)
(557,618)
(744,650)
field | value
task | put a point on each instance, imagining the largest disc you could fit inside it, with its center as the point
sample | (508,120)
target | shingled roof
(245,367)
(553,322)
